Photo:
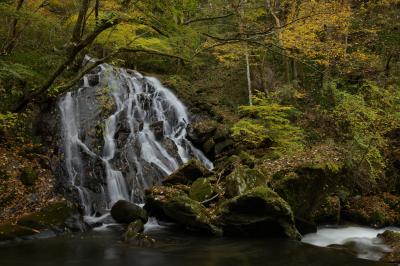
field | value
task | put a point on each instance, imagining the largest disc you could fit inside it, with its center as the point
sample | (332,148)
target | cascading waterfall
(143,128)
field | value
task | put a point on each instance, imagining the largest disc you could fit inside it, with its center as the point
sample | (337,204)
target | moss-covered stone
(259,211)
(174,204)
(28,176)
(12,231)
(392,239)
(53,215)
(201,190)
(307,186)
(188,173)
(241,179)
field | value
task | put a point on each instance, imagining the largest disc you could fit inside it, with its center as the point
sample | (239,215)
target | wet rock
(158,129)
(188,173)
(392,239)
(52,216)
(259,211)
(176,205)
(201,190)
(126,212)
(28,176)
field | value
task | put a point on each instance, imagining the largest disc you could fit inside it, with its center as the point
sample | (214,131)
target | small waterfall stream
(123,132)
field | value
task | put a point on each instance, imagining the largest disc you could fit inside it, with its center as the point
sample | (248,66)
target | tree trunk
(12,38)
(79,25)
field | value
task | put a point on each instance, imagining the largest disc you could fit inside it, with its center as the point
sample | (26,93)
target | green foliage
(364,119)
(265,122)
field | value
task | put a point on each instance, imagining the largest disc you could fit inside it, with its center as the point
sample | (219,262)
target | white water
(362,240)
(143,158)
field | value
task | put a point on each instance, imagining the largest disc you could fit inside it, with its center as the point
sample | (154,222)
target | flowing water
(362,241)
(123,132)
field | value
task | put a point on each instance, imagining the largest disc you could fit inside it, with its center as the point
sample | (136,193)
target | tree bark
(10,43)
(79,25)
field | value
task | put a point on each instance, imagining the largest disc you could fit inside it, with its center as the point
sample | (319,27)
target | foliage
(265,122)
(364,118)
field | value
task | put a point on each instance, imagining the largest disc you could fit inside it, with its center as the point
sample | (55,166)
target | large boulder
(392,239)
(125,212)
(174,204)
(259,211)
(188,173)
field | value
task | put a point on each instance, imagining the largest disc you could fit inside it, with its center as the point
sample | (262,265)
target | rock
(158,129)
(305,187)
(125,212)
(329,211)
(28,176)
(13,231)
(175,204)
(52,216)
(305,227)
(188,173)
(201,190)
(259,211)
(201,130)
(392,239)
(375,211)
(241,179)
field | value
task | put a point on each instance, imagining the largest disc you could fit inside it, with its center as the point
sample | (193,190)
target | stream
(174,246)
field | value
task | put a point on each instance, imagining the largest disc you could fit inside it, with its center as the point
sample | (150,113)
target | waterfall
(122,133)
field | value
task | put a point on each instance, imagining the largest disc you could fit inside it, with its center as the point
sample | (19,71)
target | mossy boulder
(52,216)
(392,239)
(188,173)
(28,176)
(306,187)
(242,179)
(176,205)
(259,211)
(374,210)
(201,130)
(201,190)
(13,231)
(126,212)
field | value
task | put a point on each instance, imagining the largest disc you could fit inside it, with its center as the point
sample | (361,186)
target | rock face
(259,211)
(188,173)
(125,212)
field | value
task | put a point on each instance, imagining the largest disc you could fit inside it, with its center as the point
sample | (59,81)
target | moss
(4,175)
(329,211)
(258,211)
(201,190)
(241,179)
(28,176)
(188,173)
(392,239)
(12,231)
(53,215)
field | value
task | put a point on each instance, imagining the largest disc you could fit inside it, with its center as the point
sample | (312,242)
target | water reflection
(173,247)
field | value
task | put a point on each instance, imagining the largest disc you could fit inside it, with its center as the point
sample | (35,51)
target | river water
(174,246)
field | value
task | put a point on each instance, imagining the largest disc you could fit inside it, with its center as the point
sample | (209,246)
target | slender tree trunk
(248,76)
(96,11)
(246,49)
(10,43)
(79,25)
